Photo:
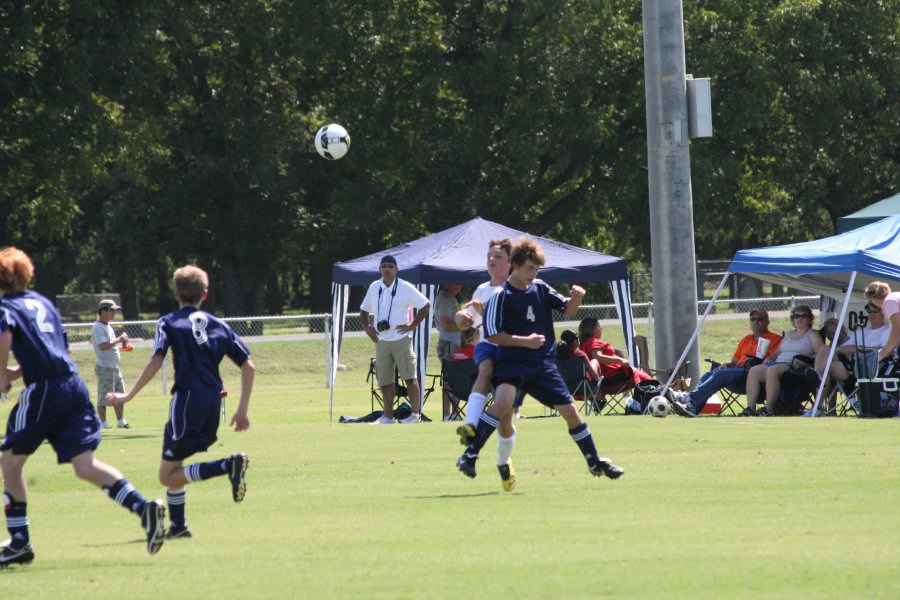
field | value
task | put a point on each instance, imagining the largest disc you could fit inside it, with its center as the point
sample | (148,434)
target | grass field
(708,508)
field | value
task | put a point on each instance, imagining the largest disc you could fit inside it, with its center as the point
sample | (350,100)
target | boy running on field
(54,406)
(199,342)
(519,319)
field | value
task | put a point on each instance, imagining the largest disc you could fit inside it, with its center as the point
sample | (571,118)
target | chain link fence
(276,328)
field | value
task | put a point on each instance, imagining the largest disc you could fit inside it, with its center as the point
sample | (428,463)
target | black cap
(389,259)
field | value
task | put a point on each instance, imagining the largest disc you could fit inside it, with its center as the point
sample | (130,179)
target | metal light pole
(671,205)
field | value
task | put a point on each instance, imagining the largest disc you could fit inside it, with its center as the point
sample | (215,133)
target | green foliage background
(140,136)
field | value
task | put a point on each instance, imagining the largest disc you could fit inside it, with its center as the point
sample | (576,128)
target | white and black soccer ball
(332,141)
(658,406)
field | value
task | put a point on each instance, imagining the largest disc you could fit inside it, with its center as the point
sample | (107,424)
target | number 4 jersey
(199,341)
(523,312)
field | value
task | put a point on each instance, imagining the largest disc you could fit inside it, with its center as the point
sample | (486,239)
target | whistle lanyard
(391,306)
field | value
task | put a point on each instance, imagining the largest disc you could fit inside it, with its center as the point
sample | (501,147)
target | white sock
(121,422)
(505,447)
(474,408)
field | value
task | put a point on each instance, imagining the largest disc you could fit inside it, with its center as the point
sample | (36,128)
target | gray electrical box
(699,105)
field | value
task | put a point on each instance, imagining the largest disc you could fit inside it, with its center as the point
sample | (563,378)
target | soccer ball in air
(332,141)
(658,406)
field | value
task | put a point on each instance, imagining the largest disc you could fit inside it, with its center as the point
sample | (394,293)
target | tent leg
(694,335)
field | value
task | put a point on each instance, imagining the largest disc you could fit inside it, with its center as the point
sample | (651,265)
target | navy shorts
(541,380)
(193,423)
(485,351)
(56,410)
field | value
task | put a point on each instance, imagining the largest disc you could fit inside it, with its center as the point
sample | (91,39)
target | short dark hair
(526,249)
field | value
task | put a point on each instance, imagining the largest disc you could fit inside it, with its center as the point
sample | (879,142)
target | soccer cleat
(178,533)
(466,464)
(237,476)
(603,467)
(507,476)
(683,409)
(152,520)
(105,425)
(124,426)
(466,434)
(20,556)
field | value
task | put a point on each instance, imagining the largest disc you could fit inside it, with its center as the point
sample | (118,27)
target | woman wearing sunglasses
(879,294)
(802,341)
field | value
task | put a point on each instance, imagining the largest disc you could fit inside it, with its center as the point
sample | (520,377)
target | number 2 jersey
(523,312)
(39,340)
(199,341)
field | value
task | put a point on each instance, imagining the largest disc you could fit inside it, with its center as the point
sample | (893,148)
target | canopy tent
(870,214)
(839,267)
(457,255)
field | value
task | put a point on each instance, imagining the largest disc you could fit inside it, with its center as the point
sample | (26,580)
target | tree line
(138,137)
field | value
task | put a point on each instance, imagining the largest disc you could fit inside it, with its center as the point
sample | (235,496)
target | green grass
(708,508)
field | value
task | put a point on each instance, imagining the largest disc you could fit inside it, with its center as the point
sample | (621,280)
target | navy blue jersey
(39,340)
(199,341)
(523,312)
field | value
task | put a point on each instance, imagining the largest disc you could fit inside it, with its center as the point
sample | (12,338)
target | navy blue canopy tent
(458,256)
(839,267)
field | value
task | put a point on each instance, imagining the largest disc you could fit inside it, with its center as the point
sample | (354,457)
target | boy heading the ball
(54,406)
(199,342)
(519,319)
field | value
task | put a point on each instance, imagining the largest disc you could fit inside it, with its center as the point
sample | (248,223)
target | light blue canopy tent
(870,214)
(458,255)
(839,267)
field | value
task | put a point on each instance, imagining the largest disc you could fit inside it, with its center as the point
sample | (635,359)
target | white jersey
(868,337)
(482,293)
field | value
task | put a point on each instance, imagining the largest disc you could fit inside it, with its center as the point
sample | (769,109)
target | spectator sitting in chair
(469,338)
(734,372)
(874,335)
(880,296)
(617,373)
(802,341)
(568,347)
(827,332)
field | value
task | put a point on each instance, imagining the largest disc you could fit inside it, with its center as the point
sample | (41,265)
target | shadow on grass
(445,496)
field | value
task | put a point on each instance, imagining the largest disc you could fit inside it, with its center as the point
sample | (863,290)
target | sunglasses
(757,319)
(872,309)
(801,316)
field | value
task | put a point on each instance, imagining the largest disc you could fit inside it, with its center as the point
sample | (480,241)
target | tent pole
(690,343)
(834,343)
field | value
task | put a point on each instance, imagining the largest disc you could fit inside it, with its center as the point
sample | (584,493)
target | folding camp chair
(457,378)
(643,363)
(377,400)
(574,373)
(729,396)
(797,393)
(842,399)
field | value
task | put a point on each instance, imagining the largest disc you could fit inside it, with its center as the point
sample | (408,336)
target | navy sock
(124,494)
(176,499)
(16,521)
(582,437)
(487,425)
(207,470)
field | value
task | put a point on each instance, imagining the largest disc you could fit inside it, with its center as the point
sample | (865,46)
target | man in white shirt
(109,376)
(391,300)
(873,336)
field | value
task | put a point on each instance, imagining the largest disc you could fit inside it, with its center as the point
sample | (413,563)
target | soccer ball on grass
(332,141)
(658,406)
